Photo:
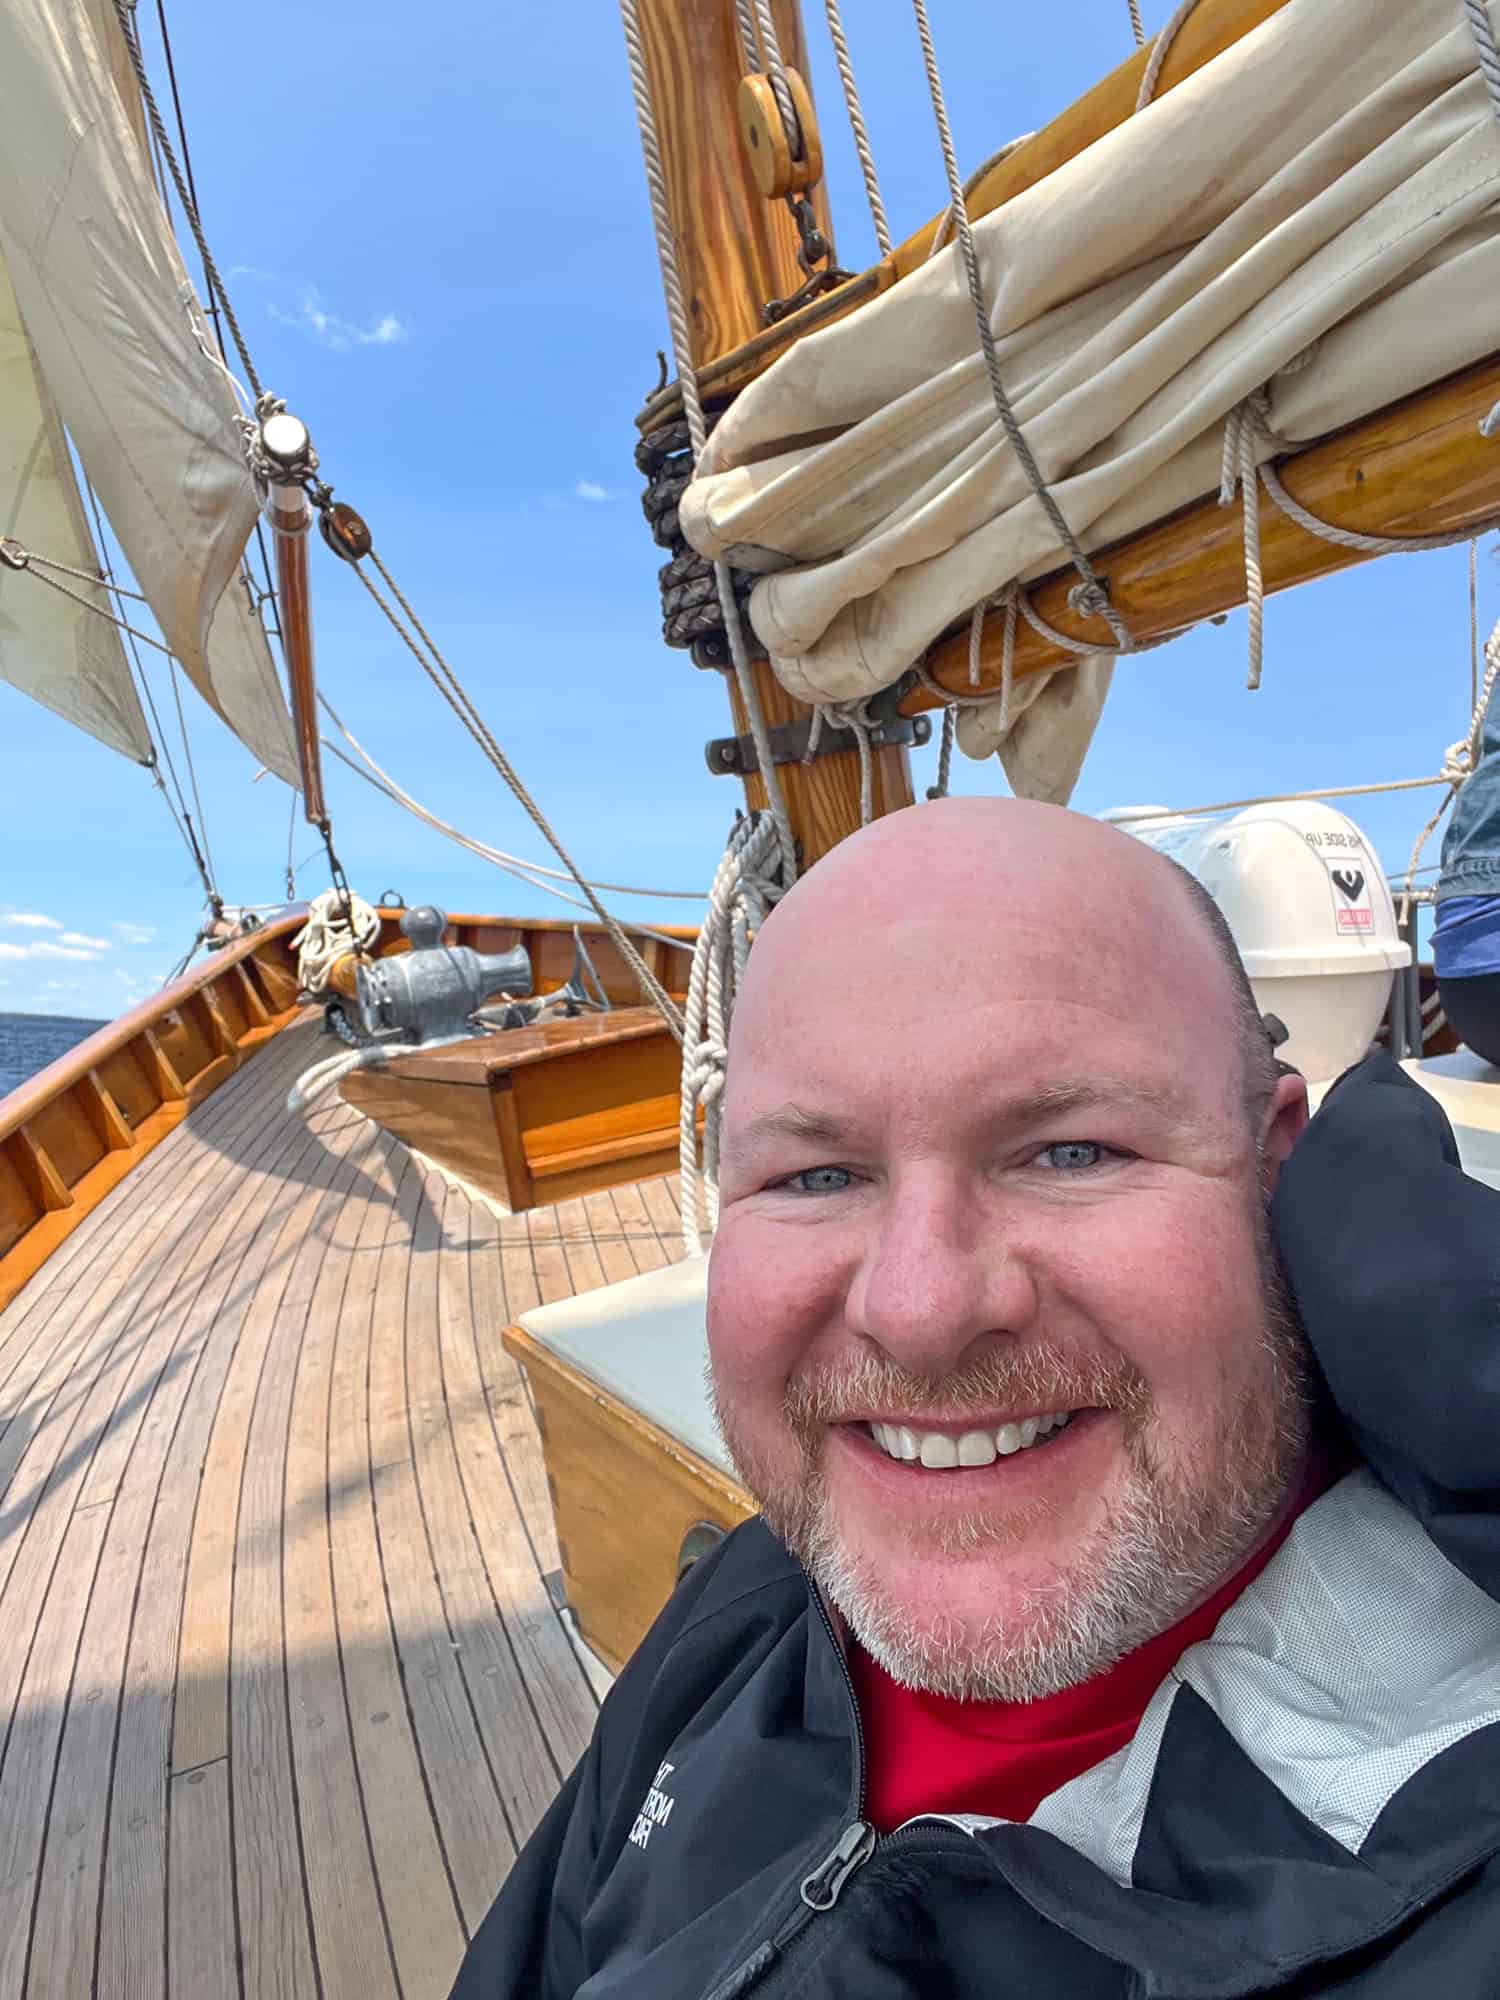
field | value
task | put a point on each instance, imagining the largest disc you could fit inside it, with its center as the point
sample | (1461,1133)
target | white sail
(1314,212)
(119,339)
(57,651)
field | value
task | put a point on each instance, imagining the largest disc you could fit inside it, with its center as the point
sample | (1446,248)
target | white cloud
(590,489)
(28,920)
(134,933)
(332,331)
(45,948)
(88,943)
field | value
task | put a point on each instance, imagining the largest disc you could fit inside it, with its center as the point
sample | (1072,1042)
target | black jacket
(1311,1803)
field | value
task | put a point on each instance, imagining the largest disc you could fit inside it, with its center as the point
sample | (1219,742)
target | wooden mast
(736,250)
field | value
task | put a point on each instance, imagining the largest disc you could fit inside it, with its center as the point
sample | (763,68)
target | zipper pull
(821,1889)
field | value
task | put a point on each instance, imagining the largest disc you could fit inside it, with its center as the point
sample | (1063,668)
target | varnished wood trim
(624,1493)
(520,1188)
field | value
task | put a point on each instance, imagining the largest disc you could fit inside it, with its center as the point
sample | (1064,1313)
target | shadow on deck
(283,1685)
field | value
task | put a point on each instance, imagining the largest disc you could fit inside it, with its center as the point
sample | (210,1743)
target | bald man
(1107,1629)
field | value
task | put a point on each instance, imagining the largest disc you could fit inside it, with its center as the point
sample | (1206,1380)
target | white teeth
(940,1453)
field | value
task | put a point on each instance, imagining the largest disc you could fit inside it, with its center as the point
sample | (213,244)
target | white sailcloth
(1316,209)
(120,343)
(60,653)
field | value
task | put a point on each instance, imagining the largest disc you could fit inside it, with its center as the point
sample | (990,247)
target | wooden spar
(1212,27)
(294,600)
(1417,468)
(736,251)
(289,459)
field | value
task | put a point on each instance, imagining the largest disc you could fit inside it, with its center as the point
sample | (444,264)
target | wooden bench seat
(634,1458)
(537,1115)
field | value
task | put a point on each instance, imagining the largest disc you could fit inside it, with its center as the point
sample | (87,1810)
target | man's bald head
(984,862)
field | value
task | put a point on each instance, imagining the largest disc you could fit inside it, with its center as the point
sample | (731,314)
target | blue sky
(438,228)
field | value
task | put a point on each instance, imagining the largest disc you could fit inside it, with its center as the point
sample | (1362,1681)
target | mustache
(1044,1378)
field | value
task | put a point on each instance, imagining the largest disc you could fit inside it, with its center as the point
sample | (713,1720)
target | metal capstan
(431,993)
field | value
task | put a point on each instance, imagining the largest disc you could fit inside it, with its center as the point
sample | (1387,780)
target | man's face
(995,1199)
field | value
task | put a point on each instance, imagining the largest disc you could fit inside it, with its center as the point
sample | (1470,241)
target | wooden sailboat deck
(282,1681)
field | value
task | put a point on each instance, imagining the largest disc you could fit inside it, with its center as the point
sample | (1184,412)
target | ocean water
(28,1042)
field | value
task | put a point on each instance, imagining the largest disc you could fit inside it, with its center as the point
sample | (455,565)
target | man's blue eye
(820,1180)
(1074,1155)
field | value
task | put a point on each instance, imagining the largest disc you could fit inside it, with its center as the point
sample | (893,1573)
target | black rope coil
(690,612)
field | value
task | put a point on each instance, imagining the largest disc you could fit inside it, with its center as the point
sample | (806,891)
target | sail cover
(1314,211)
(119,342)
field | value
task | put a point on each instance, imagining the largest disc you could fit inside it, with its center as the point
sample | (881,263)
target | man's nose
(936,1272)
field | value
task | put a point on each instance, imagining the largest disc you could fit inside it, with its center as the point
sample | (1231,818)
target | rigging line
(518,860)
(1137,25)
(1089,596)
(447,684)
(142,682)
(692,404)
(100,577)
(776,71)
(291,834)
(857,126)
(187,751)
(1278,799)
(124,12)
(187,157)
(508,864)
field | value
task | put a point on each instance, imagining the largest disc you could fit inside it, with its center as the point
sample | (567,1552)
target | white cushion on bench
(644,1341)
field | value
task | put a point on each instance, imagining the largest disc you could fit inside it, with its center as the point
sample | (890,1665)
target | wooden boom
(1417,468)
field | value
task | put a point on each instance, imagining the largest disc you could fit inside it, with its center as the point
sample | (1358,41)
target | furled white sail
(120,342)
(1317,210)
(53,649)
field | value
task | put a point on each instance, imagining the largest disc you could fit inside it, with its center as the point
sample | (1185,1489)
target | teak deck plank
(284,1685)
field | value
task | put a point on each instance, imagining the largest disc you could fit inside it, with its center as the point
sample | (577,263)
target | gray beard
(1168,1542)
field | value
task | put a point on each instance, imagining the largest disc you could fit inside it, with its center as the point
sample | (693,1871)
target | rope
(744,889)
(1089,596)
(187,751)
(1137,25)
(529,872)
(451,689)
(945,754)
(1245,425)
(178,814)
(1160,49)
(125,14)
(854,716)
(1277,799)
(770,44)
(692,403)
(857,126)
(945,220)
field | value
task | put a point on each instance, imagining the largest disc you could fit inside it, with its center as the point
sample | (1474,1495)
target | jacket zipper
(820,1889)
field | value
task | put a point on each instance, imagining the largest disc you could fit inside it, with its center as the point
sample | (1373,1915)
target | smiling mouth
(940,1451)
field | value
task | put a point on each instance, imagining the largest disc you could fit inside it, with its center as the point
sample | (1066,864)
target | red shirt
(928,1753)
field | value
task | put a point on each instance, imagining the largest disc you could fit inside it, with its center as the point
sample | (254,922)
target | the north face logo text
(656,1808)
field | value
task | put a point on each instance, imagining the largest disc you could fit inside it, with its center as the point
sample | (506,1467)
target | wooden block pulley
(767,145)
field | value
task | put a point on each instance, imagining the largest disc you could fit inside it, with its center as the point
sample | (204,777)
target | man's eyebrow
(1069,1095)
(1061,1099)
(793,1121)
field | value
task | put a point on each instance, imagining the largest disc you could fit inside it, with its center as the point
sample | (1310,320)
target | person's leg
(1473,1009)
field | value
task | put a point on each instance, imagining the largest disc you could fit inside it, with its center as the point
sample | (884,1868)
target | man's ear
(1285,1122)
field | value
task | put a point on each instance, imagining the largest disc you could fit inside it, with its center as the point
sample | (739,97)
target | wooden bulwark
(71,1134)
(285,1685)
